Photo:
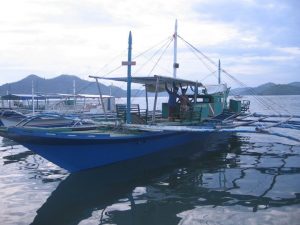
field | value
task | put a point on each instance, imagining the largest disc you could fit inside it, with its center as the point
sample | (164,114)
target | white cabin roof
(150,82)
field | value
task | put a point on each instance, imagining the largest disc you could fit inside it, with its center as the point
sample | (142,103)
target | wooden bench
(134,111)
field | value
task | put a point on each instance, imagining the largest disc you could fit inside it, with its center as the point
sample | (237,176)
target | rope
(159,58)
(163,41)
(197,50)
(153,55)
(141,54)
(259,99)
(194,52)
(111,60)
(211,74)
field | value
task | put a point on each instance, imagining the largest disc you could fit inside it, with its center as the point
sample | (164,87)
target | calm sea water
(250,179)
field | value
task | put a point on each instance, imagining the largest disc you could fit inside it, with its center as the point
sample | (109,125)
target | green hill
(269,89)
(62,84)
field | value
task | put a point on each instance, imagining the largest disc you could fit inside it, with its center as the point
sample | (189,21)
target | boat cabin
(203,102)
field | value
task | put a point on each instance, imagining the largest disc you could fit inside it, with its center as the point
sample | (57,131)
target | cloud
(272,20)
(79,37)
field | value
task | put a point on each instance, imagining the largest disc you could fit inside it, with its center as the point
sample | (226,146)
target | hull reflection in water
(242,178)
(81,151)
(83,192)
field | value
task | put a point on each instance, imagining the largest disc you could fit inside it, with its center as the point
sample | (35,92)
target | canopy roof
(21,97)
(150,82)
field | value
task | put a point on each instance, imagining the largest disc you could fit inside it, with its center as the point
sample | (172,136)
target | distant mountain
(296,84)
(62,84)
(269,89)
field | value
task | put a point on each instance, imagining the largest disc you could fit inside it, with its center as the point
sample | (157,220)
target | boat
(59,103)
(9,117)
(104,188)
(135,134)
(65,108)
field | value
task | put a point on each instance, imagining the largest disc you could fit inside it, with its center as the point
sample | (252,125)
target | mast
(219,72)
(128,116)
(32,97)
(175,64)
(74,93)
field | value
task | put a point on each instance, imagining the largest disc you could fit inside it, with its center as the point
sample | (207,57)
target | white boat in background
(238,96)
(59,103)
(10,117)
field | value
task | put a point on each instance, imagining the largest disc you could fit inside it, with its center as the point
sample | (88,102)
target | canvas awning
(150,82)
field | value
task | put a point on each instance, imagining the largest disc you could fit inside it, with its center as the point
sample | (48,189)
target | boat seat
(134,111)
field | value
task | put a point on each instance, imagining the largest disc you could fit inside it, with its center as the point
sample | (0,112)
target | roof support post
(196,92)
(219,72)
(147,105)
(101,98)
(155,99)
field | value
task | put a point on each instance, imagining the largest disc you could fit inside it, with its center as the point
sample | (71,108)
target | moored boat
(76,151)
(9,117)
(205,118)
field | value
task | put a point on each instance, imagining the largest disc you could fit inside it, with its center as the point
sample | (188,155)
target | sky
(257,41)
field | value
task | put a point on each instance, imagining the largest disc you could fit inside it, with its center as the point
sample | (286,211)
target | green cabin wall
(235,106)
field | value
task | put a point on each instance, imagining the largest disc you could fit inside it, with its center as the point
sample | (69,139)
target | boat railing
(245,105)
(135,112)
(48,120)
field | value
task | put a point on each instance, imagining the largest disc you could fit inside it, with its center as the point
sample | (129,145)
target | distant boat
(135,134)
(59,103)
(10,117)
(238,96)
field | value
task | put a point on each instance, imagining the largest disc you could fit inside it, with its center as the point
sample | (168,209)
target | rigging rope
(166,46)
(259,99)
(212,73)
(194,52)
(153,55)
(160,57)
(164,42)
(107,64)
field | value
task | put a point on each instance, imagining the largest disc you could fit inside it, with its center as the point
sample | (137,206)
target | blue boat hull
(75,152)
